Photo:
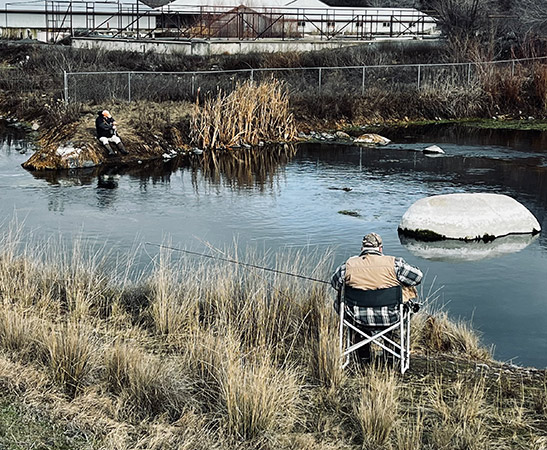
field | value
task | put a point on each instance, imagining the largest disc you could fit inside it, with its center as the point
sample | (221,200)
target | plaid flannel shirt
(376,317)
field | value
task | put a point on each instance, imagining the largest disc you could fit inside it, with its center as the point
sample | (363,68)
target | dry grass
(249,114)
(146,385)
(437,333)
(259,397)
(69,351)
(540,84)
(249,361)
(377,408)
(461,408)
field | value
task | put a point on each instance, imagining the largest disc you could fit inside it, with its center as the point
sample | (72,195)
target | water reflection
(239,168)
(460,251)
(14,140)
(247,167)
(449,133)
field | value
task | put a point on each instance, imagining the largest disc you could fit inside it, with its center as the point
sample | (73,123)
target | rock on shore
(372,138)
(467,217)
(65,156)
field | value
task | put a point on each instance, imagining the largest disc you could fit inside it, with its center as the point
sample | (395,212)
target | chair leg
(344,361)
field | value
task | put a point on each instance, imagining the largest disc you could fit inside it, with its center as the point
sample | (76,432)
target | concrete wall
(133,45)
(210,47)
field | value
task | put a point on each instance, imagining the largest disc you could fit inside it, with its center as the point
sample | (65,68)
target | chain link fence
(162,86)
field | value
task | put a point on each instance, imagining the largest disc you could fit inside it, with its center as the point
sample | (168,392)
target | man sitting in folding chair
(377,292)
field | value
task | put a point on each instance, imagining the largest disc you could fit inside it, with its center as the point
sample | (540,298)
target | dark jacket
(104,126)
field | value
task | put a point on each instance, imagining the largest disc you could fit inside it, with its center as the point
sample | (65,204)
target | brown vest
(371,271)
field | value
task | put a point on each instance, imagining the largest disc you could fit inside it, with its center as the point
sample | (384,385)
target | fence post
(193,84)
(252,75)
(65,78)
(363,82)
(419,75)
(129,87)
(320,74)
(513,69)
(469,73)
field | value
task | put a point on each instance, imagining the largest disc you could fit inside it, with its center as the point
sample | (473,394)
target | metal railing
(162,86)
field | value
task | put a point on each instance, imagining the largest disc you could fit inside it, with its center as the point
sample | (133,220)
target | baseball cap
(372,240)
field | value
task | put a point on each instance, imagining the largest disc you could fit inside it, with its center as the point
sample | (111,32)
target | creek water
(283,199)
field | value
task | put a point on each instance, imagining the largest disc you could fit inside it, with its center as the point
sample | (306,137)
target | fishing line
(233,261)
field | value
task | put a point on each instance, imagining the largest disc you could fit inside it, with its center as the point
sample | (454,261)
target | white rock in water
(371,138)
(469,216)
(434,149)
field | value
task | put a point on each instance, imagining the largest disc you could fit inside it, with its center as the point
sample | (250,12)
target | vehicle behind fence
(163,86)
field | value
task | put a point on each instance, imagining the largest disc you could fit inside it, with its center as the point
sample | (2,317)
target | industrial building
(184,20)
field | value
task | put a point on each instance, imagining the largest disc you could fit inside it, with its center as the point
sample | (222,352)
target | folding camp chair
(392,297)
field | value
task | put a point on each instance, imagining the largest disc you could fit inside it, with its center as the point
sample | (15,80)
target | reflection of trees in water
(13,140)
(241,168)
(245,167)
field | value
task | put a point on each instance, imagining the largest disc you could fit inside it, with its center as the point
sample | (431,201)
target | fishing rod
(233,261)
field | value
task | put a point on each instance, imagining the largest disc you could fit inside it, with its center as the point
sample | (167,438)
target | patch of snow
(68,150)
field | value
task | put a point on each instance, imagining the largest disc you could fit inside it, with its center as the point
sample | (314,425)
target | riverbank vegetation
(165,119)
(205,354)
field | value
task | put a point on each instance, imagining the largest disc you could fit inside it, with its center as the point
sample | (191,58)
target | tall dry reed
(249,114)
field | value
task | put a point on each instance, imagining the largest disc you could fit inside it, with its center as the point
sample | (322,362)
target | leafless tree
(532,15)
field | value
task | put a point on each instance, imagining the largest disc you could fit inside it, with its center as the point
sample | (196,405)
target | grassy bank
(192,354)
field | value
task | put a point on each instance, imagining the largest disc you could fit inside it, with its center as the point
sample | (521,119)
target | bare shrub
(540,84)
(506,87)
(249,114)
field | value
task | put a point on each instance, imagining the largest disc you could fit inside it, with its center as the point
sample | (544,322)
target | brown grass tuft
(258,396)
(437,333)
(377,409)
(146,385)
(461,408)
(69,353)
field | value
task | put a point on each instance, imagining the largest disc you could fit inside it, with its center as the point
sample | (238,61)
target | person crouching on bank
(106,133)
